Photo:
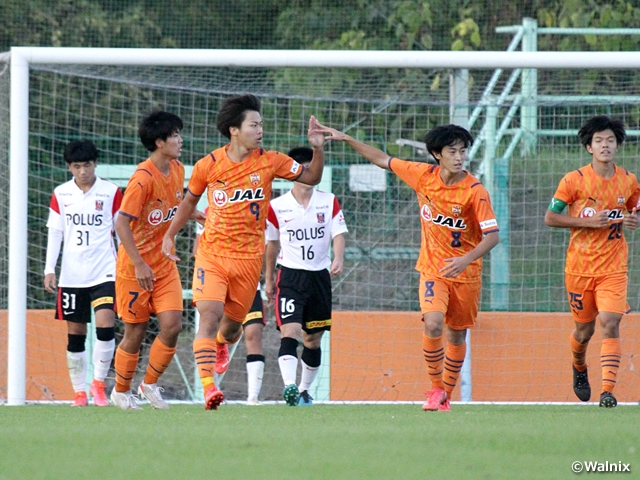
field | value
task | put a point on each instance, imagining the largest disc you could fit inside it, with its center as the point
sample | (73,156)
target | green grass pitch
(319,442)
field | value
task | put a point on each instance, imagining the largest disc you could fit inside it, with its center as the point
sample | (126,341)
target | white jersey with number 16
(305,234)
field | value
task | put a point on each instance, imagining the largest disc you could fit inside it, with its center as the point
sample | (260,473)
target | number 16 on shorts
(286,309)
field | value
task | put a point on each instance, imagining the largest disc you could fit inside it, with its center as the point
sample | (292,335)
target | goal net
(525,128)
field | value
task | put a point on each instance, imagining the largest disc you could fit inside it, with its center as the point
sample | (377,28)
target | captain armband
(557,206)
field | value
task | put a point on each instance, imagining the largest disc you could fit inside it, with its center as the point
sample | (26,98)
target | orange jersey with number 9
(238,197)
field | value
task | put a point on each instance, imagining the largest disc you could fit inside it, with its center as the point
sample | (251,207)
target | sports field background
(489,442)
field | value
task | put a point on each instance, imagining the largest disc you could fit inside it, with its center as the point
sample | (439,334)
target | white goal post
(21,58)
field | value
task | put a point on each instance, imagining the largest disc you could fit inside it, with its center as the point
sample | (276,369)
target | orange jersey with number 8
(454,218)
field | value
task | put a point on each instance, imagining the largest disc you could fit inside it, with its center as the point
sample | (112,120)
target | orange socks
(434,355)
(579,353)
(160,357)
(125,367)
(453,360)
(204,349)
(610,356)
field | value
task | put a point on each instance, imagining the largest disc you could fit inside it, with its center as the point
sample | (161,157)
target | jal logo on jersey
(451,222)
(614,214)
(255,178)
(157,216)
(99,205)
(220,197)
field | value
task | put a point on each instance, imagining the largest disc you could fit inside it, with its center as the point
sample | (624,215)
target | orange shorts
(589,295)
(135,304)
(231,281)
(457,301)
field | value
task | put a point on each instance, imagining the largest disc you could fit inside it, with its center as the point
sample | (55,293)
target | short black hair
(301,155)
(158,125)
(80,151)
(233,112)
(445,135)
(600,123)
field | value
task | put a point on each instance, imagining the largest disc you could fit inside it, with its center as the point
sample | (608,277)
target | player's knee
(173,330)
(610,325)
(433,324)
(105,334)
(456,337)
(433,329)
(230,331)
(584,332)
(288,346)
(253,335)
(311,356)
(75,343)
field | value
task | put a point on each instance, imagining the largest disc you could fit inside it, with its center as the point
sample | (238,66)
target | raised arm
(372,154)
(312,174)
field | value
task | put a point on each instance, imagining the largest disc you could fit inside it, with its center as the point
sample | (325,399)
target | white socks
(102,356)
(309,374)
(255,372)
(77,363)
(288,368)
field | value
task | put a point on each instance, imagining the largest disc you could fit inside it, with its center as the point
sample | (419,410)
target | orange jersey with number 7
(594,251)
(454,218)
(238,199)
(150,201)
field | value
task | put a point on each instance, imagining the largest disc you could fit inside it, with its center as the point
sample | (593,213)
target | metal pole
(19,175)
(529,110)
(459,97)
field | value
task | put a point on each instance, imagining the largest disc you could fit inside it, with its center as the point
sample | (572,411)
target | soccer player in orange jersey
(252,326)
(458,229)
(602,199)
(146,281)
(237,178)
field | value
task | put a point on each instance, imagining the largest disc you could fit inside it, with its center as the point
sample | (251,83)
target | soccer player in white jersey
(300,226)
(81,217)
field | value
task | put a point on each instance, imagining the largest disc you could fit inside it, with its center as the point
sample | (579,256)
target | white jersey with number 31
(87,223)
(305,234)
